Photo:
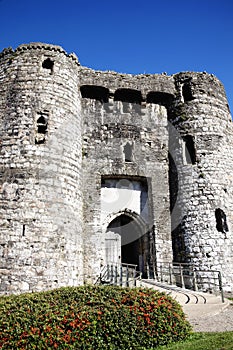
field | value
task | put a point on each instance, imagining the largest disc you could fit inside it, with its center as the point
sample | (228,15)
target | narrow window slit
(221,221)
(41,129)
(128,152)
(189,152)
(187,92)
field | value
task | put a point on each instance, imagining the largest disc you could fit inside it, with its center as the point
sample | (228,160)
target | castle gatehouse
(102,167)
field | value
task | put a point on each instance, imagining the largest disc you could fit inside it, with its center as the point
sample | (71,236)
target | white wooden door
(112,248)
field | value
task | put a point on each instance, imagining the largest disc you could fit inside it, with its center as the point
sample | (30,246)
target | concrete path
(220,322)
(200,308)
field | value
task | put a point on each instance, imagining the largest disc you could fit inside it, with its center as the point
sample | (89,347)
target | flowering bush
(91,317)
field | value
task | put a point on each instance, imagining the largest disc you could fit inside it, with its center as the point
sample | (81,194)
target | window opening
(160,98)
(128,95)
(48,64)
(128,152)
(221,220)
(187,92)
(94,92)
(41,129)
(189,152)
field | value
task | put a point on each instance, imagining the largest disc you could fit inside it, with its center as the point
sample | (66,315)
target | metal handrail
(186,275)
(119,274)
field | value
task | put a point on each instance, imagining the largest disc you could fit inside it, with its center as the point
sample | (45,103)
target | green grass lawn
(204,341)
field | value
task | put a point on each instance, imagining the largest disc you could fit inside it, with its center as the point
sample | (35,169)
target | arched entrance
(126,241)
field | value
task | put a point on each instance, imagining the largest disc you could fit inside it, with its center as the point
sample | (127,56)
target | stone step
(183,296)
(195,304)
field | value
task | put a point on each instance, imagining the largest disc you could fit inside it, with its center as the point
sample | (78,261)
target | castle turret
(201,136)
(41,200)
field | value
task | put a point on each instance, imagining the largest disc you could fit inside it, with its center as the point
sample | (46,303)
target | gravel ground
(221,322)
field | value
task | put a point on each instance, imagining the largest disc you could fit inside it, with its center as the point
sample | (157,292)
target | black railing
(186,275)
(183,275)
(119,274)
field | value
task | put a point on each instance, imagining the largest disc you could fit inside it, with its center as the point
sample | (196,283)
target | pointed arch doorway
(126,241)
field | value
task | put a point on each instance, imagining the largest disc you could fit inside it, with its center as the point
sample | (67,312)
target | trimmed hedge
(91,317)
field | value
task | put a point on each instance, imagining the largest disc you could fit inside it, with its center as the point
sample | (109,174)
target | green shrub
(91,317)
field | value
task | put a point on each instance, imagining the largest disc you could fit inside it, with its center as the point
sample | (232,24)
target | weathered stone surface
(69,132)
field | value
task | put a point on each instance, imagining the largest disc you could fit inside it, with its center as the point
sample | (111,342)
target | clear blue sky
(150,36)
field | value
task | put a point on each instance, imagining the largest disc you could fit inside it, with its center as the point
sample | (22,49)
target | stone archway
(126,240)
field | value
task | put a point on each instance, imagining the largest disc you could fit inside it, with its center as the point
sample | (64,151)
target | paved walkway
(205,312)
(220,322)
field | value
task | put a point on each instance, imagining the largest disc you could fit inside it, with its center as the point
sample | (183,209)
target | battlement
(183,86)
(38,46)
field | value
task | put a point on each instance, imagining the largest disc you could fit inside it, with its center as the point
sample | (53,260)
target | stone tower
(201,151)
(100,167)
(41,159)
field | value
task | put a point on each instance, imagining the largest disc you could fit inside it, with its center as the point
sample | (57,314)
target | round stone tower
(41,211)
(201,135)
